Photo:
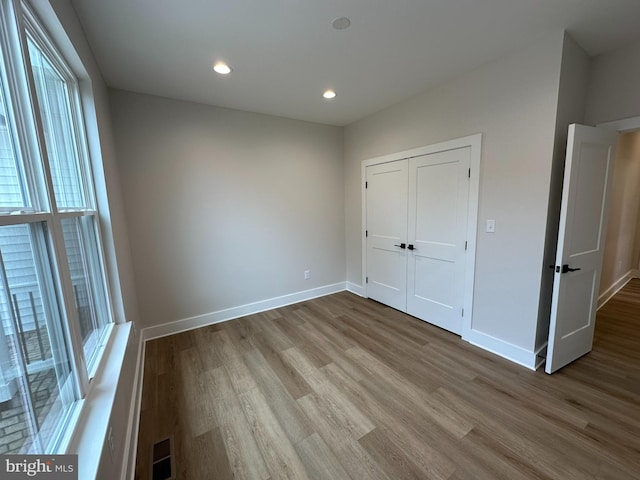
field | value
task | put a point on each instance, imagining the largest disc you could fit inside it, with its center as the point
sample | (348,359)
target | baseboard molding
(240,311)
(541,355)
(616,287)
(503,349)
(355,289)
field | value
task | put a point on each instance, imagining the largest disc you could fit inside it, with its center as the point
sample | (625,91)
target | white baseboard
(355,288)
(616,287)
(503,349)
(541,355)
(240,311)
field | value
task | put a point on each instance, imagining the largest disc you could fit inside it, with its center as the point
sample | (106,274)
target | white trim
(133,424)
(541,355)
(475,143)
(504,349)
(355,289)
(97,406)
(624,125)
(616,287)
(240,311)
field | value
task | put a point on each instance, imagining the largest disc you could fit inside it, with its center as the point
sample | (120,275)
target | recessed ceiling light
(329,94)
(341,23)
(222,68)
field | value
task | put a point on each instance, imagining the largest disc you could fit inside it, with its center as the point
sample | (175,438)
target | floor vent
(162,460)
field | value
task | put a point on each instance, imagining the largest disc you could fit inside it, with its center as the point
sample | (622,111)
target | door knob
(564,269)
(402,245)
(411,247)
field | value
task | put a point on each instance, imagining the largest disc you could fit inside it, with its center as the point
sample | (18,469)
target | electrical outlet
(307,274)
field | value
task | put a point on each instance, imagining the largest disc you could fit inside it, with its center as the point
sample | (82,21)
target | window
(54,304)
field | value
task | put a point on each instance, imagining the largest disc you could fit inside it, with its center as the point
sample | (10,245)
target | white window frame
(16,19)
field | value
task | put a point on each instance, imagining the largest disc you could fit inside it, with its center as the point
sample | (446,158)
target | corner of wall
(572,90)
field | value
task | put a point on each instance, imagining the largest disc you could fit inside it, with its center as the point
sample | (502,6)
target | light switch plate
(491,226)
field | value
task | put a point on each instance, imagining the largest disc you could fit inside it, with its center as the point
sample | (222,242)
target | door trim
(624,125)
(474,142)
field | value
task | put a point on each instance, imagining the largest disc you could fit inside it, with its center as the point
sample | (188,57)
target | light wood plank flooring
(345,388)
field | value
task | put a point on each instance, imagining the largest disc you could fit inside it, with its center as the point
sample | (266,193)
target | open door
(583,223)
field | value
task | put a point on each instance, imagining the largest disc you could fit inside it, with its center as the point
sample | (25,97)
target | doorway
(586,203)
(622,245)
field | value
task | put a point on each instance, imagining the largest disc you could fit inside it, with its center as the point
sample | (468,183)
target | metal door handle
(411,247)
(402,245)
(564,269)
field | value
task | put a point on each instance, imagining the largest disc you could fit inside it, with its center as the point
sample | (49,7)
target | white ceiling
(284,53)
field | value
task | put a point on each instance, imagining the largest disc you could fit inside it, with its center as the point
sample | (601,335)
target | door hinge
(466,244)
(469,173)
(366,184)
(366,233)
(367,280)
(463,312)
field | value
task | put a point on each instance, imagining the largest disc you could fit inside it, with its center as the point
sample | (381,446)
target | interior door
(386,197)
(583,223)
(438,206)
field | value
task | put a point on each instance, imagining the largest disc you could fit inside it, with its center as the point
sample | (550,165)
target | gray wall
(614,85)
(513,103)
(225,208)
(574,73)
(614,94)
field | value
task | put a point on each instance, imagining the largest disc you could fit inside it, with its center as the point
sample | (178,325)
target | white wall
(225,208)
(614,85)
(513,103)
(620,255)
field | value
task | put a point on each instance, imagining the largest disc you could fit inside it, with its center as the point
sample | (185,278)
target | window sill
(90,432)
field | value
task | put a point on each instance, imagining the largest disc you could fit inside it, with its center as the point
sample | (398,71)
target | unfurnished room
(320,240)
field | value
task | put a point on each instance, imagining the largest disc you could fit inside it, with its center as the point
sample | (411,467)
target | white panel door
(386,197)
(583,223)
(437,224)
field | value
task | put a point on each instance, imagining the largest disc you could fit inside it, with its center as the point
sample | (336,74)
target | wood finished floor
(345,388)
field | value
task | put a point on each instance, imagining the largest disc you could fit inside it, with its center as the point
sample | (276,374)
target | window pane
(37,388)
(13,193)
(86,277)
(60,135)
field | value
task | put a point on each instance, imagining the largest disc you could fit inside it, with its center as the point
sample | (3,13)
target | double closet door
(416,228)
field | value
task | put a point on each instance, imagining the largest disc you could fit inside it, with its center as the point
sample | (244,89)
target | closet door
(437,223)
(386,203)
